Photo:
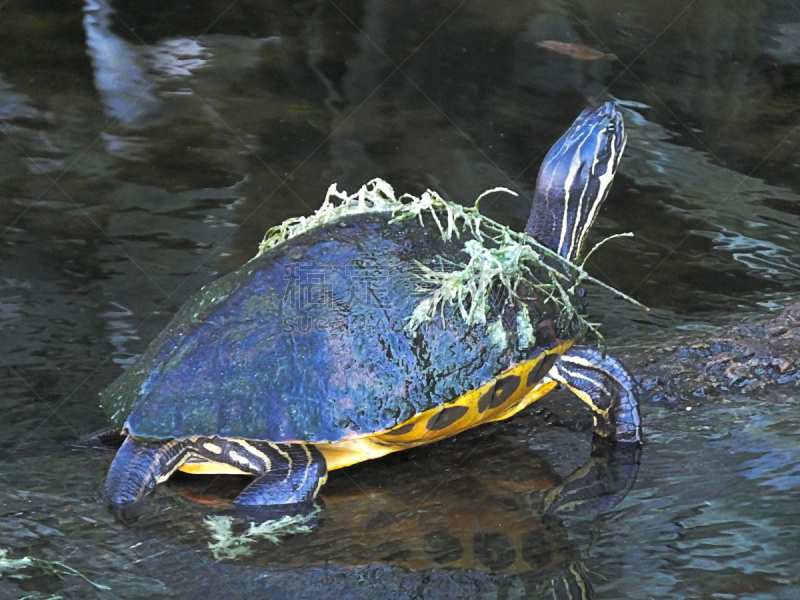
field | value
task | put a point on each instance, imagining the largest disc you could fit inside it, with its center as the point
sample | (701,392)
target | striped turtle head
(574,180)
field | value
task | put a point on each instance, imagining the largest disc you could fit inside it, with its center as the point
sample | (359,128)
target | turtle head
(574,180)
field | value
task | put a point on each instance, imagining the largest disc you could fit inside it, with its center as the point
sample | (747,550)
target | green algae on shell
(498,255)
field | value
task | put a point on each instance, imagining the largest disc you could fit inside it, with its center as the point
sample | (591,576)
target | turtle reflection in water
(231,386)
(476,505)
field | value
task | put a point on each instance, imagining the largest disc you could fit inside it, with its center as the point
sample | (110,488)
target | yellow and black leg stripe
(296,473)
(285,473)
(607,387)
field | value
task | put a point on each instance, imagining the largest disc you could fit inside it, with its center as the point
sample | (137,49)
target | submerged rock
(743,357)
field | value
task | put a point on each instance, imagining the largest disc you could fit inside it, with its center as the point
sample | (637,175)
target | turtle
(339,343)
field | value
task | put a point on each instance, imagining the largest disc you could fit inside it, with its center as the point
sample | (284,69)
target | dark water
(146,147)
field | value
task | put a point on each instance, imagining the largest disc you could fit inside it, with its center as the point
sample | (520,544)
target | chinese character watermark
(306,286)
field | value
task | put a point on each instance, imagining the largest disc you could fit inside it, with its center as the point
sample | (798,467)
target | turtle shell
(307,342)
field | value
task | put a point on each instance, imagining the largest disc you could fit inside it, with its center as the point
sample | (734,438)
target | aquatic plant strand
(11,567)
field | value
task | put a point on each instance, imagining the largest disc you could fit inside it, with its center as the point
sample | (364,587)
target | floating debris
(229,545)
(578,51)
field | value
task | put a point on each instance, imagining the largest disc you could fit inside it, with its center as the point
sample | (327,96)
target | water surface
(145,149)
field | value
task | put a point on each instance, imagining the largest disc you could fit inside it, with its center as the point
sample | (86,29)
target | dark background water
(146,147)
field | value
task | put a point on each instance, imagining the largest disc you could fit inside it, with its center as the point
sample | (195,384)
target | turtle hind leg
(139,466)
(294,474)
(607,387)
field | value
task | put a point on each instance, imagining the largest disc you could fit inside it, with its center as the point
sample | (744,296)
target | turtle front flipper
(296,473)
(606,385)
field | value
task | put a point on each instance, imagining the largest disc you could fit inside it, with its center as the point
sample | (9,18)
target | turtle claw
(129,512)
